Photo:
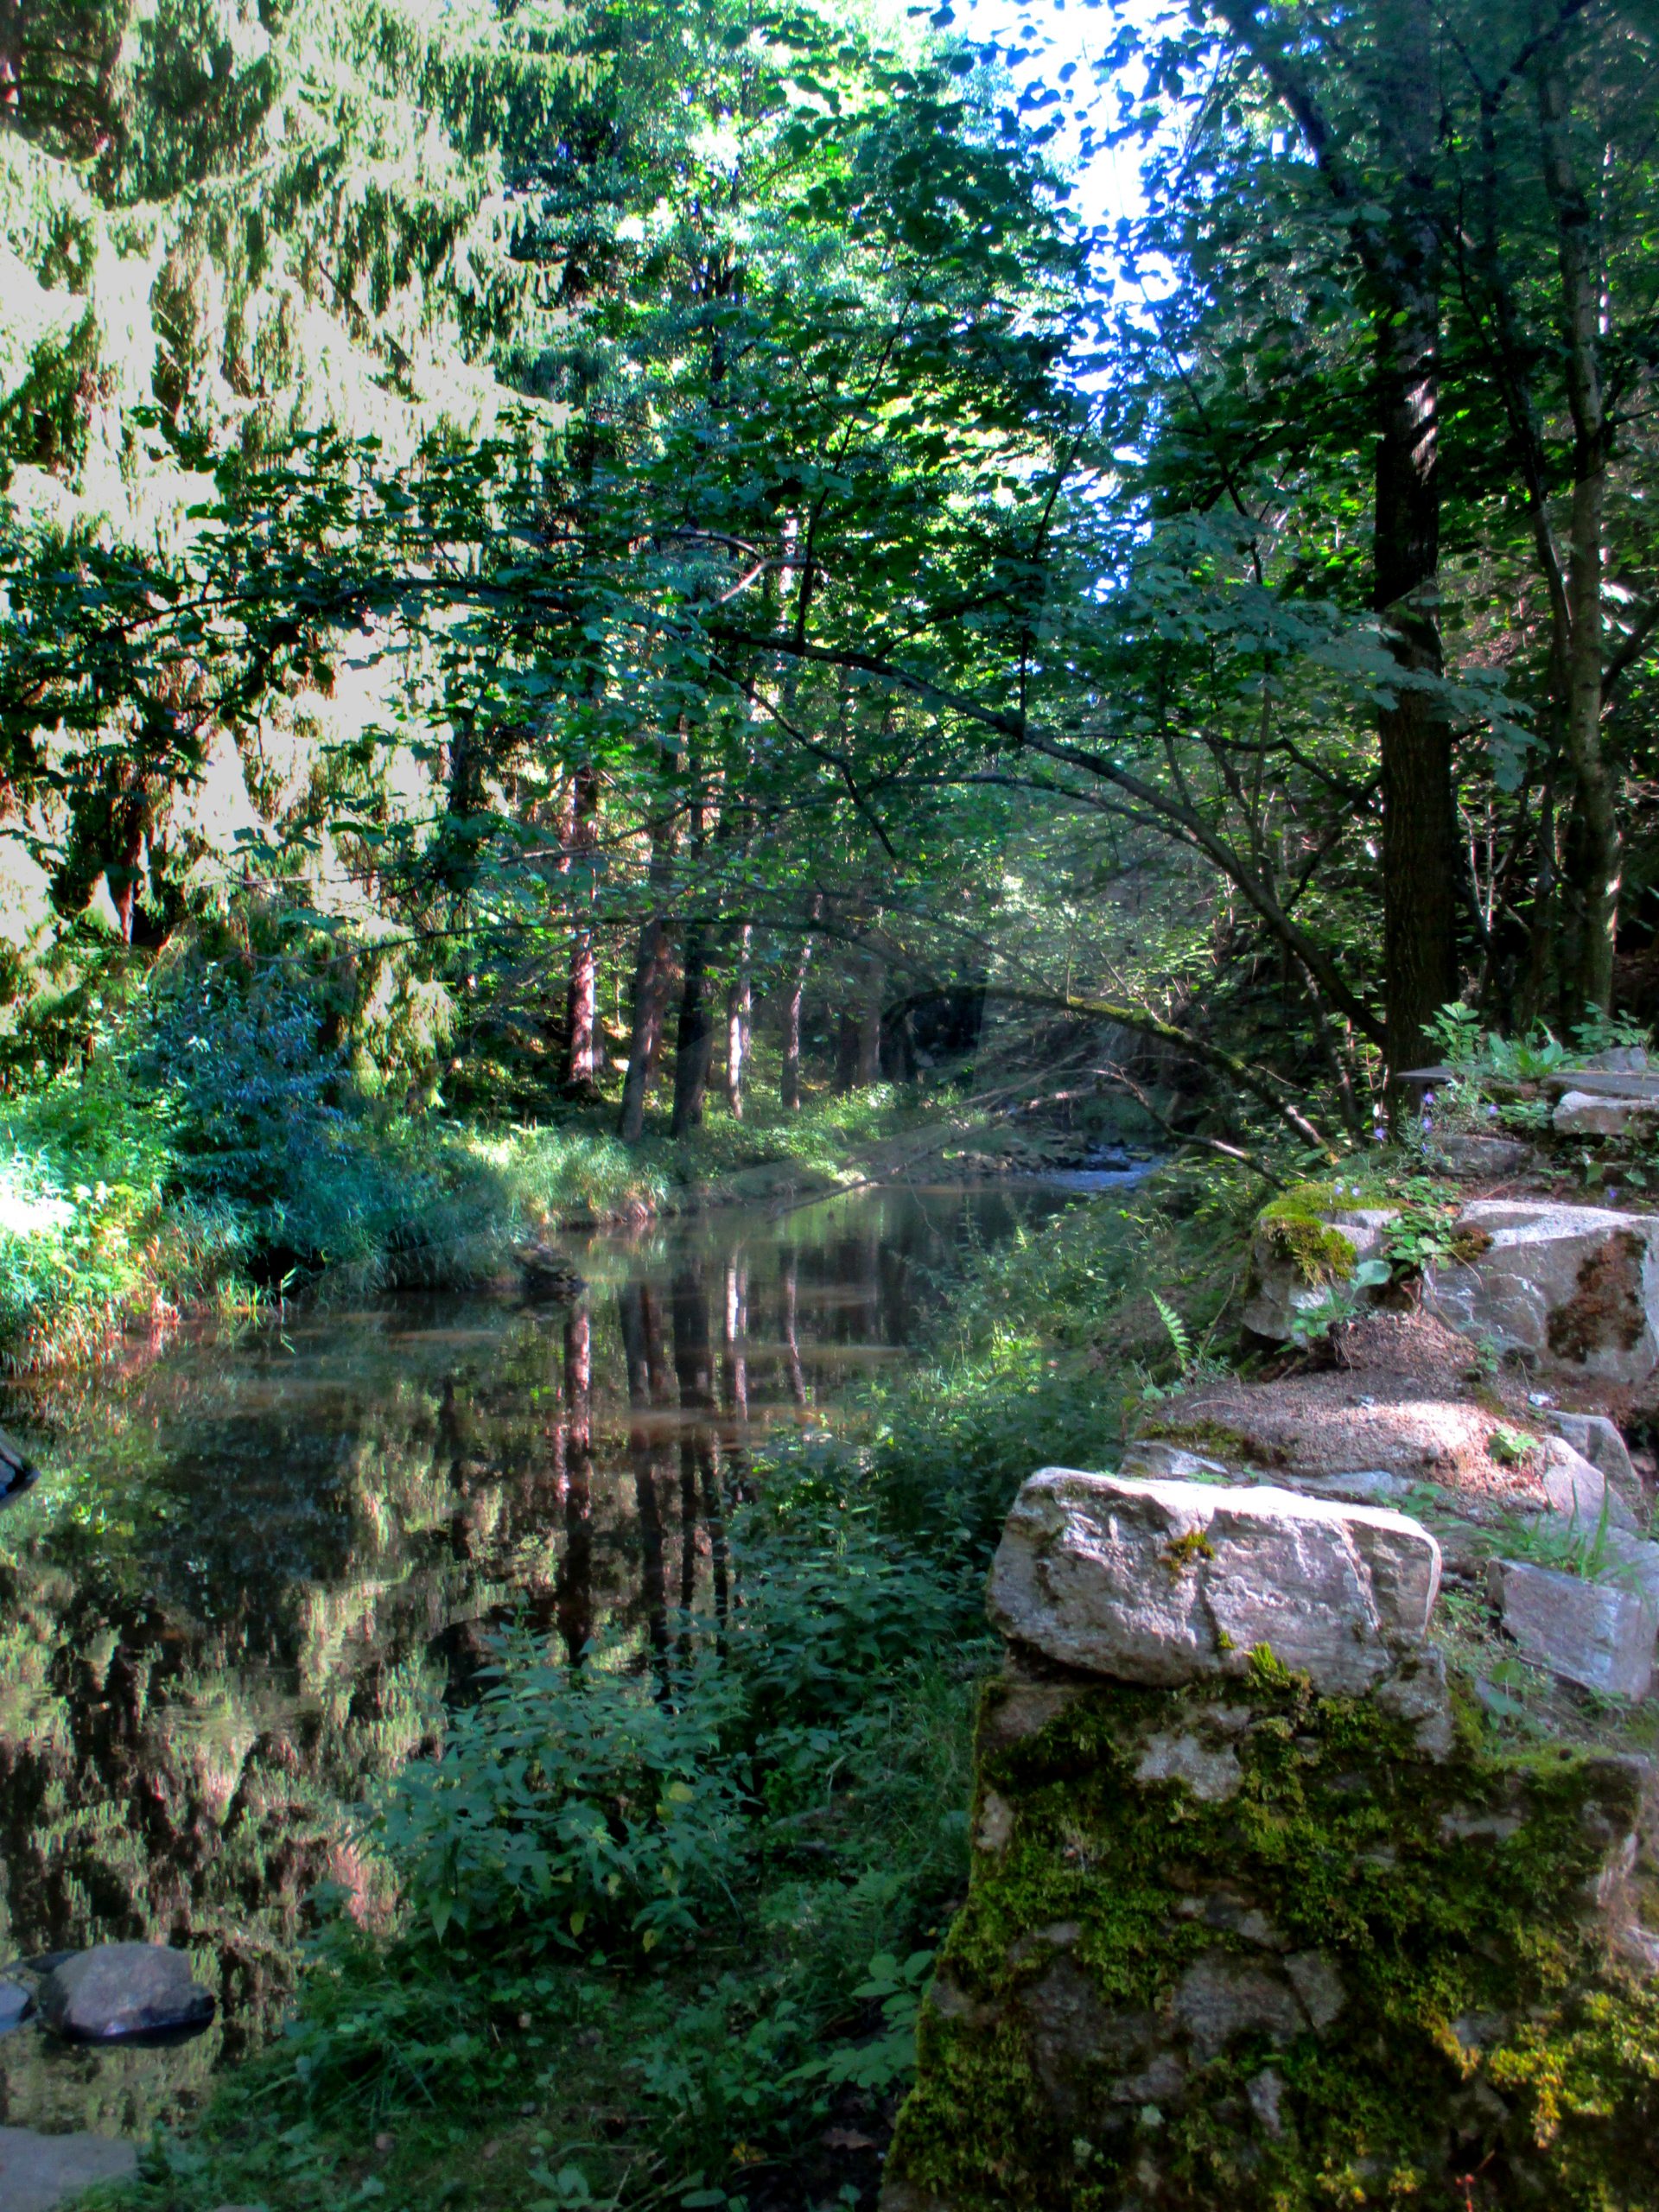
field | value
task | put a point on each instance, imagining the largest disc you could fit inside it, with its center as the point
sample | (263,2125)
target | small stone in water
(38,2172)
(118,1992)
(385,2143)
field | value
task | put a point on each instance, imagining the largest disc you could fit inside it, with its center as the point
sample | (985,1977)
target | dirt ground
(1403,1397)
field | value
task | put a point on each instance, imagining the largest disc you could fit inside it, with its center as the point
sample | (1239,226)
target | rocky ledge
(1571,1289)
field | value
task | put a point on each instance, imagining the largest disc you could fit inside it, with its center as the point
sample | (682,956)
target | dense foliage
(556,561)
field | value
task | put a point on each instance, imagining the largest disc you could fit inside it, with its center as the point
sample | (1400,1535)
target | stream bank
(111,1237)
(258,1576)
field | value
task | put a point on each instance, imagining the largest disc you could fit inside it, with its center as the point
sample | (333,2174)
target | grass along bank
(664,1929)
(124,1203)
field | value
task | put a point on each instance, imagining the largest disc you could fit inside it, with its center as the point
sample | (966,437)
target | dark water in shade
(255,1571)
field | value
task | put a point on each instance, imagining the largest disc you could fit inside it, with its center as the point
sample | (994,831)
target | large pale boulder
(1213,1930)
(1169,1582)
(124,1992)
(1575,1288)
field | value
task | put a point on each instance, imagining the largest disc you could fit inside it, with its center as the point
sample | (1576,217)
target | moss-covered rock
(1293,1227)
(1242,1949)
(1305,1247)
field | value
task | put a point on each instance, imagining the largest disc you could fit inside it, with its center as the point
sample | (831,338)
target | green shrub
(572,1808)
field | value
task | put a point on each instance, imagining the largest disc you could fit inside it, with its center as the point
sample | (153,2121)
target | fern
(1177,1328)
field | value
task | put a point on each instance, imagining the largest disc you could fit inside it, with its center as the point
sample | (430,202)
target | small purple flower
(1428,1123)
(1428,1098)
(1491,1113)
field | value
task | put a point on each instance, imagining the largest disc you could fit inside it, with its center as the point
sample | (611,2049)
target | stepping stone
(1605,1083)
(1583,1113)
(16,2005)
(1594,1634)
(1480,1155)
(38,2172)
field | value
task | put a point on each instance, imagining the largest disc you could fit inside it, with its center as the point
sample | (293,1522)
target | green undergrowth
(666,1918)
(111,1219)
(126,1195)
(1477,2046)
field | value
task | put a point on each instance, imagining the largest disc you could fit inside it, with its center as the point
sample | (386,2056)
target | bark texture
(789,1087)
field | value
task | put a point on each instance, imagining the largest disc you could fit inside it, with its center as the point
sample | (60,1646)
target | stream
(257,1567)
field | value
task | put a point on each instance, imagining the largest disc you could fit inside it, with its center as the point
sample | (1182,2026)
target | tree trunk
(846,1053)
(694,1044)
(651,980)
(739,1003)
(1420,859)
(12,25)
(1597,857)
(789,1087)
(1399,249)
(867,1061)
(122,877)
(582,1066)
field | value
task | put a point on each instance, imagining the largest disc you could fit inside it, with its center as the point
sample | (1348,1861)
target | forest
(616,609)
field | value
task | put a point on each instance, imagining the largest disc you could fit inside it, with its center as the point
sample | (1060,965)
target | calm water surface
(254,1572)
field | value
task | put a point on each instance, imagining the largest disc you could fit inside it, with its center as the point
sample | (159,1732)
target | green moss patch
(1209,1439)
(1295,1229)
(1482,2050)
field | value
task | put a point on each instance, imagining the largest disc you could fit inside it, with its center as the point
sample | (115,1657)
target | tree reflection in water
(255,1571)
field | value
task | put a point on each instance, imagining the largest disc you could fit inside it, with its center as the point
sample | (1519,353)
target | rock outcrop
(1571,1288)
(1242,1935)
(1597,1633)
(1306,1244)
